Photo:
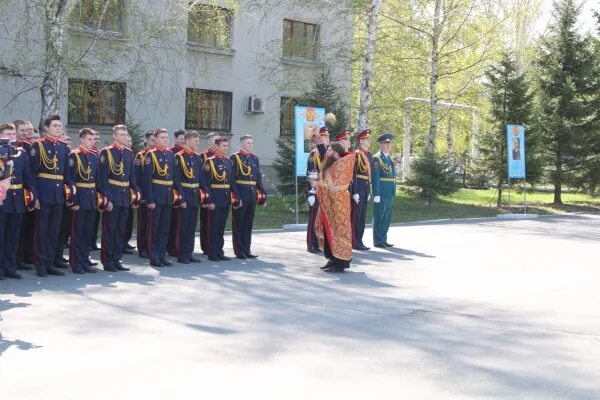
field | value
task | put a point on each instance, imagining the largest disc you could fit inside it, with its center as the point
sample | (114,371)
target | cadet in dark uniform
(361,189)
(157,188)
(14,207)
(217,175)
(83,170)
(209,152)
(94,240)
(48,163)
(189,181)
(383,175)
(313,165)
(25,245)
(142,212)
(172,241)
(247,186)
(127,248)
(116,181)
(65,224)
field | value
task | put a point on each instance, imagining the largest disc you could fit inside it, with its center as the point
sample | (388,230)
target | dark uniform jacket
(246,176)
(14,203)
(157,184)
(188,177)
(48,164)
(115,175)
(83,173)
(361,180)
(217,175)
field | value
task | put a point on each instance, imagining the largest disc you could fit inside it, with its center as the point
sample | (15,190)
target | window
(300,40)
(210,26)
(207,110)
(87,14)
(96,102)
(286,126)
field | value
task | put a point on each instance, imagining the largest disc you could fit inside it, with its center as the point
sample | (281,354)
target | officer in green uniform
(383,180)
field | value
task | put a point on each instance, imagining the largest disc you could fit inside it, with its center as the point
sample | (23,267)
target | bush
(433,176)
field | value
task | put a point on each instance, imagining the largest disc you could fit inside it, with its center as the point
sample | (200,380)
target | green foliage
(136,132)
(285,166)
(568,84)
(434,176)
(511,103)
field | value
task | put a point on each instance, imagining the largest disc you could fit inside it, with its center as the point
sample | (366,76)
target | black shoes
(78,271)
(361,247)
(211,258)
(250,255)
(380,246)
(92,263)
(54,271)
(166,263)
(127,251)
(386,244)
(89,269)
(327,266)
(314,250)
(224,257)
(155,263)
(143,253)
(129,247)
(120,267)
(241,256)
(194,260)
(62,264)
(12,275)
(110,268)
(183,260)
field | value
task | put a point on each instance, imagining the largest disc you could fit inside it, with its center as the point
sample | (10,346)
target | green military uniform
(383,180)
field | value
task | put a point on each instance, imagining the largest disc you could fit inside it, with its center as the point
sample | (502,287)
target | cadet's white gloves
(376,199)
(311,200)
(368,197)
(356,198)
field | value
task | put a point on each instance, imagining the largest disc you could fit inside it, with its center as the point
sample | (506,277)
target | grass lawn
(465,203)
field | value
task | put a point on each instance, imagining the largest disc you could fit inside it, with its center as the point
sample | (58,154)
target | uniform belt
(16,186)
(365,177)
(387,179)
(190,185)
(246,182)
(50,176)
(165,183)
(118,183)
(85,185)
(220,186)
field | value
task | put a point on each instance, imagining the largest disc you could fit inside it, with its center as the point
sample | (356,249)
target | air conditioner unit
(254,105)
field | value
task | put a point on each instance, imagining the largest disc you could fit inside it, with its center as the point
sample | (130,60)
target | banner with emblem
(308,121)
(515,140)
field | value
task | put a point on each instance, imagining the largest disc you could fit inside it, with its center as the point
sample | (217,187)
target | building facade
(228,67)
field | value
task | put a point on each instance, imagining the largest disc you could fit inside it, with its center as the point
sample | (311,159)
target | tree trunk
(56,15)
(435,57)
(450,141)
(558,179)
(367,72)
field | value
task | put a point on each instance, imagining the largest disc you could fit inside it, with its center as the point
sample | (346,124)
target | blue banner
(515,140)
(308,121)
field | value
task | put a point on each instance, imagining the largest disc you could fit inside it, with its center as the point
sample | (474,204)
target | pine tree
(511,103)
(567,84)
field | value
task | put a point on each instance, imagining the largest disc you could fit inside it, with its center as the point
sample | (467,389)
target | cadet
(189,181)
(216,172)
(94,240)
(172,241)
(83,170)
(361,189)
(343,138)
(48,163)
(157,188)
(14,206)
(247,186)
(209,152)
(142,212)
(313,165)
(25,245)
(383,176)
(127,248)
(116,181)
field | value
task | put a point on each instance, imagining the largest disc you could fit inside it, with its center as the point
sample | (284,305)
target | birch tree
(367,67)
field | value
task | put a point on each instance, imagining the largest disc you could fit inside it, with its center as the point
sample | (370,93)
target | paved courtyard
(474,310)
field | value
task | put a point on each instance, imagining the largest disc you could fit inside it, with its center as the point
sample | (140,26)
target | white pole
(296,200)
